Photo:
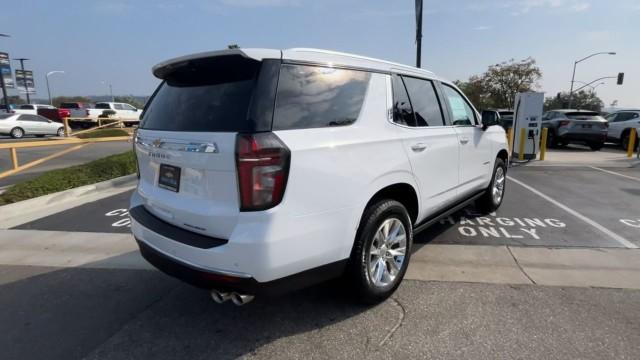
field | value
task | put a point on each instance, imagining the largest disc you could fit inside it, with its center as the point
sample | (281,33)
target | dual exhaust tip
(236,298)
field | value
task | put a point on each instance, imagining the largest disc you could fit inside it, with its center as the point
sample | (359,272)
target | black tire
(487,202)
(60,132)
(596,146)
(17,133)
(358,273)
(552,140)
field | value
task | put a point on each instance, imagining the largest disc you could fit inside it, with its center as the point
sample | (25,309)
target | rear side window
(402,111)
(424,100)
(102,106)
(314,97)
(204,95)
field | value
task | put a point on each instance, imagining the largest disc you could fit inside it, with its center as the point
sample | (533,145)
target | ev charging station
(527,114)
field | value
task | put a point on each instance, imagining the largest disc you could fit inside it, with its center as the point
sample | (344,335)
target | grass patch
(99,133)
(52,181)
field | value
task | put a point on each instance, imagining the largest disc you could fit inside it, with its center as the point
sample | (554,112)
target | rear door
(186,143)
(432,146)
(475,148)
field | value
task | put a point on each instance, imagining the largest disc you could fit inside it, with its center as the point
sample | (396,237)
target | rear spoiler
(164,68)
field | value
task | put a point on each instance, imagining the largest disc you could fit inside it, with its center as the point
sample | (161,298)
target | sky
(99,42)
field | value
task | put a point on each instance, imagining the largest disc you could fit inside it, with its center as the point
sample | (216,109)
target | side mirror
(490,118)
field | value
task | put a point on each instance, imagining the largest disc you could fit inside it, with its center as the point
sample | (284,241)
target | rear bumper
(583,136)
(267,252)
(207,279)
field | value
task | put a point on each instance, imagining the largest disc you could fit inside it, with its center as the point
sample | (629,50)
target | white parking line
(615,173)
(626,243)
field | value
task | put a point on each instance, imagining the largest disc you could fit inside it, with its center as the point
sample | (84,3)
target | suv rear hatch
(584,122)
(187,140)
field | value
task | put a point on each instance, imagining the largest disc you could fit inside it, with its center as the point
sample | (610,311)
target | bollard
(510,138)
(543,143)
(523,134)
(67,131)
(632,142)
(14,158)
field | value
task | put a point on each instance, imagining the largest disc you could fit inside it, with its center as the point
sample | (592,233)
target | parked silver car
(575,126)
(620,124)
(19,125)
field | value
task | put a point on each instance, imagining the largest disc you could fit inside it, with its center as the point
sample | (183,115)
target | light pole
(4,87)
(110,90)
(24,77)
(573,77)
(47,77)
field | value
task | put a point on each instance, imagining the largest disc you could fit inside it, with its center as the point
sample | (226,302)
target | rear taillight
(134,140)
(263,168)
(564,122)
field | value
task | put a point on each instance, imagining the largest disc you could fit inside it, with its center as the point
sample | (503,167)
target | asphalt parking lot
(103,311)
(525,218)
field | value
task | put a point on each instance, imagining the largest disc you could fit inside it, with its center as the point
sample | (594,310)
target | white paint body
(30,124)
(334,172)
(123,111)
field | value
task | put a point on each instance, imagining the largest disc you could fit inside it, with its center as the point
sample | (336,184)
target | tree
(583,100)
(503,81)
(498,86)
(476,91)
(233,46)
(61,99)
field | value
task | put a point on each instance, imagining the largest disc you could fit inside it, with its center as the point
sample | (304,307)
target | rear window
(204,95)
(584,116)
(69,106)
(315,96)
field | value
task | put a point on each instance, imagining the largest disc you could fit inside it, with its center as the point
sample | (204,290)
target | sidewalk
(576,155)
(594,267)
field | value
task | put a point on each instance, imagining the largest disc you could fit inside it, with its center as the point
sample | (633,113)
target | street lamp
(573,77)
(48,89)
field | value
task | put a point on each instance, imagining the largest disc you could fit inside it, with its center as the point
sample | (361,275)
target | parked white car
(31,108)
(620,125)
(264,170)
(19,125)
(128,113)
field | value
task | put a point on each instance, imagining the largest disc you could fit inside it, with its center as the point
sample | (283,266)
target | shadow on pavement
(120,313)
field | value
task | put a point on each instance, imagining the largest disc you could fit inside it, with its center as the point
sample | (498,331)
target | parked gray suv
(575,126)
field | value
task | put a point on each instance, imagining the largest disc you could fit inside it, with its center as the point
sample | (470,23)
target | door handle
(418,147)
(464,140)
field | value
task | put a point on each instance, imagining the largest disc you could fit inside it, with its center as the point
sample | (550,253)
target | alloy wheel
(387,252)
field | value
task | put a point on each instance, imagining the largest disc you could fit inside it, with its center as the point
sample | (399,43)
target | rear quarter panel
(339,169)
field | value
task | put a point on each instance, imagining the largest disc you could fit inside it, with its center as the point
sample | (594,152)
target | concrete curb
(28,210)
(575,267)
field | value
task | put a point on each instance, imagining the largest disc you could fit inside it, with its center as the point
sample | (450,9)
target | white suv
(620,125)
(263,171)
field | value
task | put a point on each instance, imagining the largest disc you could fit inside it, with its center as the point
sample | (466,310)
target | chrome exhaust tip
(219,296)
(241,299)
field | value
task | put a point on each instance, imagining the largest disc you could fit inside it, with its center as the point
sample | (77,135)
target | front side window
(402,111)
(314,97)
(424,100)
(128,107)
(103,106)
(462,112)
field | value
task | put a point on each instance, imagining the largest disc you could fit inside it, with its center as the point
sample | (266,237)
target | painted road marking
(626,243)
(615,173)
(632,223)
(473,224)
(124,217)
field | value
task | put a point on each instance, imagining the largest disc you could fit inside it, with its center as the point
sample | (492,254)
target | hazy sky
(119,41)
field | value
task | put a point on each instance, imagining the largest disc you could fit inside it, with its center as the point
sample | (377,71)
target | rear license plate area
(169,177)
(586,126)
